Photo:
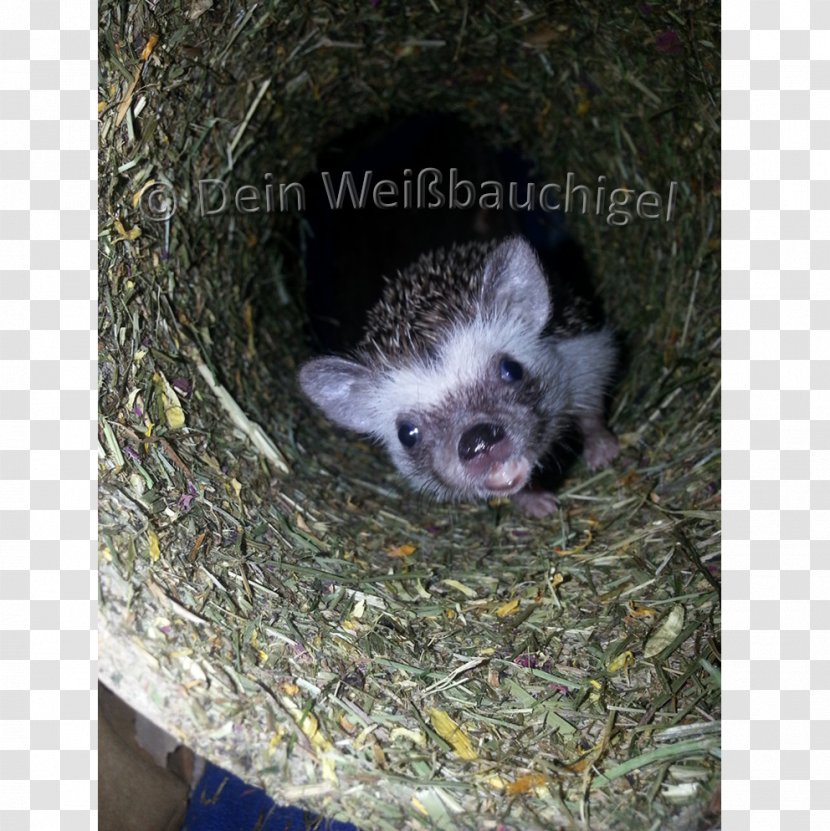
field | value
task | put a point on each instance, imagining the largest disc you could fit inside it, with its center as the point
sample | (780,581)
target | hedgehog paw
(600,445)
(601,448)
(536,503)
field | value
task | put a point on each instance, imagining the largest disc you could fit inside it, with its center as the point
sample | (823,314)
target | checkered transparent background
(47,408)
(776,401)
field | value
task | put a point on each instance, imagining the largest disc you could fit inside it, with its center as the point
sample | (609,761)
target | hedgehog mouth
(507,477)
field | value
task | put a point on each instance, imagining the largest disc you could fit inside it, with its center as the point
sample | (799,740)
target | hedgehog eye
(510,370)
(408,434)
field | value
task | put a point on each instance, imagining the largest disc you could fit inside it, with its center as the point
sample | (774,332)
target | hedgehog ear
(514,281)
(342,390)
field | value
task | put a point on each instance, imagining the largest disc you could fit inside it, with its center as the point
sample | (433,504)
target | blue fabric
(223,802)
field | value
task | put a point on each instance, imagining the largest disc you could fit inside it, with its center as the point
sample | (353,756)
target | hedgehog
(473,365)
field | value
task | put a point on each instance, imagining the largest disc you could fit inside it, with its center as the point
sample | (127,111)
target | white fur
(464,358)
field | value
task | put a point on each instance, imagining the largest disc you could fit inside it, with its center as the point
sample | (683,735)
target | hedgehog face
(474,416)
(482,440)
(471,422)
(474,422)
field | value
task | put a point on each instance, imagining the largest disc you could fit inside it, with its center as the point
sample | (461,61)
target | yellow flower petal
(526,783)
(155,547)
(622,661)
(401,551)
(447,729)
(508,608)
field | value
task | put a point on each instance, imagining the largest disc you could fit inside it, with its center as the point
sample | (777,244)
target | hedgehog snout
(478,440)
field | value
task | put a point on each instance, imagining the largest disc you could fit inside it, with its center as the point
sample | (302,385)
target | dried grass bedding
(271,594)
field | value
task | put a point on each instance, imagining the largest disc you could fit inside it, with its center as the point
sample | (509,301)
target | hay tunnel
(270,594)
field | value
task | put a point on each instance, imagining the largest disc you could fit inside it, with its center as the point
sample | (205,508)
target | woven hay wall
(269,592)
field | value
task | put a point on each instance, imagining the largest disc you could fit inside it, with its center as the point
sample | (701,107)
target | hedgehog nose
(478,440)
